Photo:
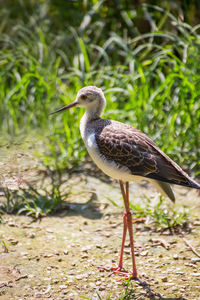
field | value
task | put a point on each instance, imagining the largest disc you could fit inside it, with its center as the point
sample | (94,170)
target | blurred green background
(143,54)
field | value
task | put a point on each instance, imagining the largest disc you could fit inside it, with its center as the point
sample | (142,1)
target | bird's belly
(109,167)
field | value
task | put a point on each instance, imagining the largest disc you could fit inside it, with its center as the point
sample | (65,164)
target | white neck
(92,112)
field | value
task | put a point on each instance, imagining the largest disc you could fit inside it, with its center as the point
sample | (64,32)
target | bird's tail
(165,189)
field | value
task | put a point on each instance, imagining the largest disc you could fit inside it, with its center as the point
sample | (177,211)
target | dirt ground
(58,257)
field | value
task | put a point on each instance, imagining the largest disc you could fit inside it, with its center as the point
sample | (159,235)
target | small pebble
(48,255)
(31,235)
(197,223)
(14,242)
(24,253)
(73,294)
(63,286)
(195,259)
(12,224)
(164,279)
(195,274)
(156,282)
(50,230)
(79,277)
(108,234)
(92,284)
(144,253)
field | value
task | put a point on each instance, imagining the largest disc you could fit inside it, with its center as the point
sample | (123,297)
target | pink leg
(123,241)
(129,225)
(127,221)
(130,229)
(120,265)
(124,229)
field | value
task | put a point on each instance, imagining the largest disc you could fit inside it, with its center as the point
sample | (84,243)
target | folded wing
(130,147)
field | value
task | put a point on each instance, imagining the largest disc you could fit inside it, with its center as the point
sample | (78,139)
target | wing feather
(130,147)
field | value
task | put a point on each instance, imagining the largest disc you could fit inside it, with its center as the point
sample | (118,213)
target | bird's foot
(117,270)
(113,270)
(125,275)
(120,271)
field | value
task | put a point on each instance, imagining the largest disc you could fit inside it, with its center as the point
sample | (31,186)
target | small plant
(129,292)
(13,201)
(33,210)
(160,212)
(5,246)
(37,201)
(1,218)
(39,206)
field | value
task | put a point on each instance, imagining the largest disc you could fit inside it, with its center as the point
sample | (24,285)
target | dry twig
(191,247)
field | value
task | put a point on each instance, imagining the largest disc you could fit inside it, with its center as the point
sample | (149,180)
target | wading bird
(126,154)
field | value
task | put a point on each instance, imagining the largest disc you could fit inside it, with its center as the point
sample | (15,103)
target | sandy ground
(58,257)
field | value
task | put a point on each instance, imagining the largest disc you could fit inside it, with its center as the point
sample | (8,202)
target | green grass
(48,200)
(36,200)
(159,213)
(127,294)
(150,80)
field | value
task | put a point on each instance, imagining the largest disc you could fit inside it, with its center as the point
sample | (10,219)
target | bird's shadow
(36,200)
(149,292)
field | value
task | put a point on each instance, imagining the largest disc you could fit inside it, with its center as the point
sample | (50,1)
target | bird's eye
(83,97)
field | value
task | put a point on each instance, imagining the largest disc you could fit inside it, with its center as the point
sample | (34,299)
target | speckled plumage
(124,149)
(126,154)
(130,147)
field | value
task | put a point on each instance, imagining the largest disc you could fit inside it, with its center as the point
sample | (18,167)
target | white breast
(109,167)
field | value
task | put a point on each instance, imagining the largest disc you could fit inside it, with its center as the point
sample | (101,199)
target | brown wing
(130,147)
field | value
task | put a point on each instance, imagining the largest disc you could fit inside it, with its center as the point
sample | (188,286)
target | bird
(126,154)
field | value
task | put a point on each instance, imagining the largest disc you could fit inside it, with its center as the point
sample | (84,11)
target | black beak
(65,107)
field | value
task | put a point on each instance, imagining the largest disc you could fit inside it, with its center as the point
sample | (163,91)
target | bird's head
(89,97)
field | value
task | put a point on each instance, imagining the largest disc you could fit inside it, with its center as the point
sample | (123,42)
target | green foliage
(38,206)
(36,202)
(159,212)
(12,204)
(128,293)
(5,246)
(144,58)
